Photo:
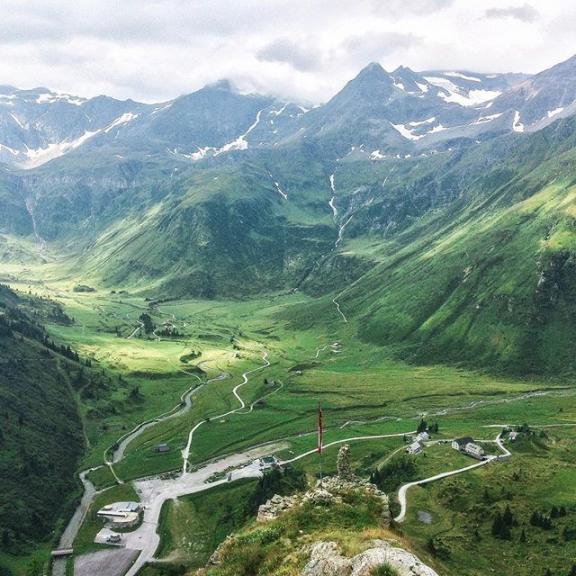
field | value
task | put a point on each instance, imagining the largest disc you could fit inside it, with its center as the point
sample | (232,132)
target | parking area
(107,536)
(105,563)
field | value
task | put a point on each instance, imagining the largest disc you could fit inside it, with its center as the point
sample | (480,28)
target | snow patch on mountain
(405,132)
(489,118)
(462,76)
(52,97)
(454,94)
(240,142)
(517,126)
(277,186)
(39,156)
(8,149)
(422,122)
(555,112)
(436,129)
(17,121)
(124,119)
(377,155)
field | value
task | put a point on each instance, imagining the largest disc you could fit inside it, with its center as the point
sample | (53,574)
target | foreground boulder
(326,560)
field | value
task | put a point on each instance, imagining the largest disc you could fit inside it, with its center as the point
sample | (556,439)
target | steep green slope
(462,255)
(488,278)
(224,230)
(41,435)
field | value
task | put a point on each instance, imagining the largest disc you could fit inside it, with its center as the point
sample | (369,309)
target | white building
(468,446)
(414,448)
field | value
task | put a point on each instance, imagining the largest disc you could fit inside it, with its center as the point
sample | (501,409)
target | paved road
(351,439)
(155,492)
(69,534)
(182,408)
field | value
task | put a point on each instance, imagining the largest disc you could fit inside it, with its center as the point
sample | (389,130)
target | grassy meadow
(362,388)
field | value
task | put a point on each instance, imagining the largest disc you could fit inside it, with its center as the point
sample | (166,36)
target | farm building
(414,448)
(467,446)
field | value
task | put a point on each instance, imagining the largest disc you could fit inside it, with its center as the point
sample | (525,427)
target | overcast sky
(154,50)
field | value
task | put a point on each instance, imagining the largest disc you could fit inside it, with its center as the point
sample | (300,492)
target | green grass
(363,390)
(192,527)
(23,565)
(463,507)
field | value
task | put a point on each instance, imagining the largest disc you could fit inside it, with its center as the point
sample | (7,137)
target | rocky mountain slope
(454,182)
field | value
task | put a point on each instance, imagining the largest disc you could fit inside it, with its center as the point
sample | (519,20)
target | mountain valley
(184,283)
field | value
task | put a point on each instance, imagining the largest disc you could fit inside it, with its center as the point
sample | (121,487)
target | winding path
(405,487)
(336,442)
(245,380)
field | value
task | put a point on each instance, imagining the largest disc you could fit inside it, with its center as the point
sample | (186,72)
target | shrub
(384,570)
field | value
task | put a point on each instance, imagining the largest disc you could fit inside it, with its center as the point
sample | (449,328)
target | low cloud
(524,13)
(301,50)
(403,8)
(300,55)
(377,47)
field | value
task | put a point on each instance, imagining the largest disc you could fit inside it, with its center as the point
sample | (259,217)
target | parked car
(114,538)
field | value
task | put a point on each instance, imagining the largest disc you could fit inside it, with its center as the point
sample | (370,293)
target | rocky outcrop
(328,490)
(326,559)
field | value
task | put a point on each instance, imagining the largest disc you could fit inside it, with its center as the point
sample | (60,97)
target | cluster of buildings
(417,443)
(466,445)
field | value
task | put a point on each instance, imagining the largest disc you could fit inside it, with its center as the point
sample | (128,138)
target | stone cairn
(343,463)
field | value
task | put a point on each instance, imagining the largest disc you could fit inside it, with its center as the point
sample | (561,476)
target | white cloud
(524,13)
(158,49)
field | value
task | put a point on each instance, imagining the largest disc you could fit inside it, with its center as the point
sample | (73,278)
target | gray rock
(326,560)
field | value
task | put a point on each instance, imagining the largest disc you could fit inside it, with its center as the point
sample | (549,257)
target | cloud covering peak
(297,49)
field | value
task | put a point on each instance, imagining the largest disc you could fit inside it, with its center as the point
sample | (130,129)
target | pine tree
(554,512)
(497,524)
(523,538)
(508,517)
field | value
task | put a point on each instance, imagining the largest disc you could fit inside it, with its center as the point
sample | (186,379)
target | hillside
(492,266)
(40,429)
(403,178)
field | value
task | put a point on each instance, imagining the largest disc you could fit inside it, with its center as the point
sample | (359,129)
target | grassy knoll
(193,526)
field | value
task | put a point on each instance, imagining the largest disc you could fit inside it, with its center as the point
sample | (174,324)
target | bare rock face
(271,509)
(326,560)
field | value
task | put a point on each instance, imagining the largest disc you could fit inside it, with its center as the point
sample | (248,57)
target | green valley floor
(205,382)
